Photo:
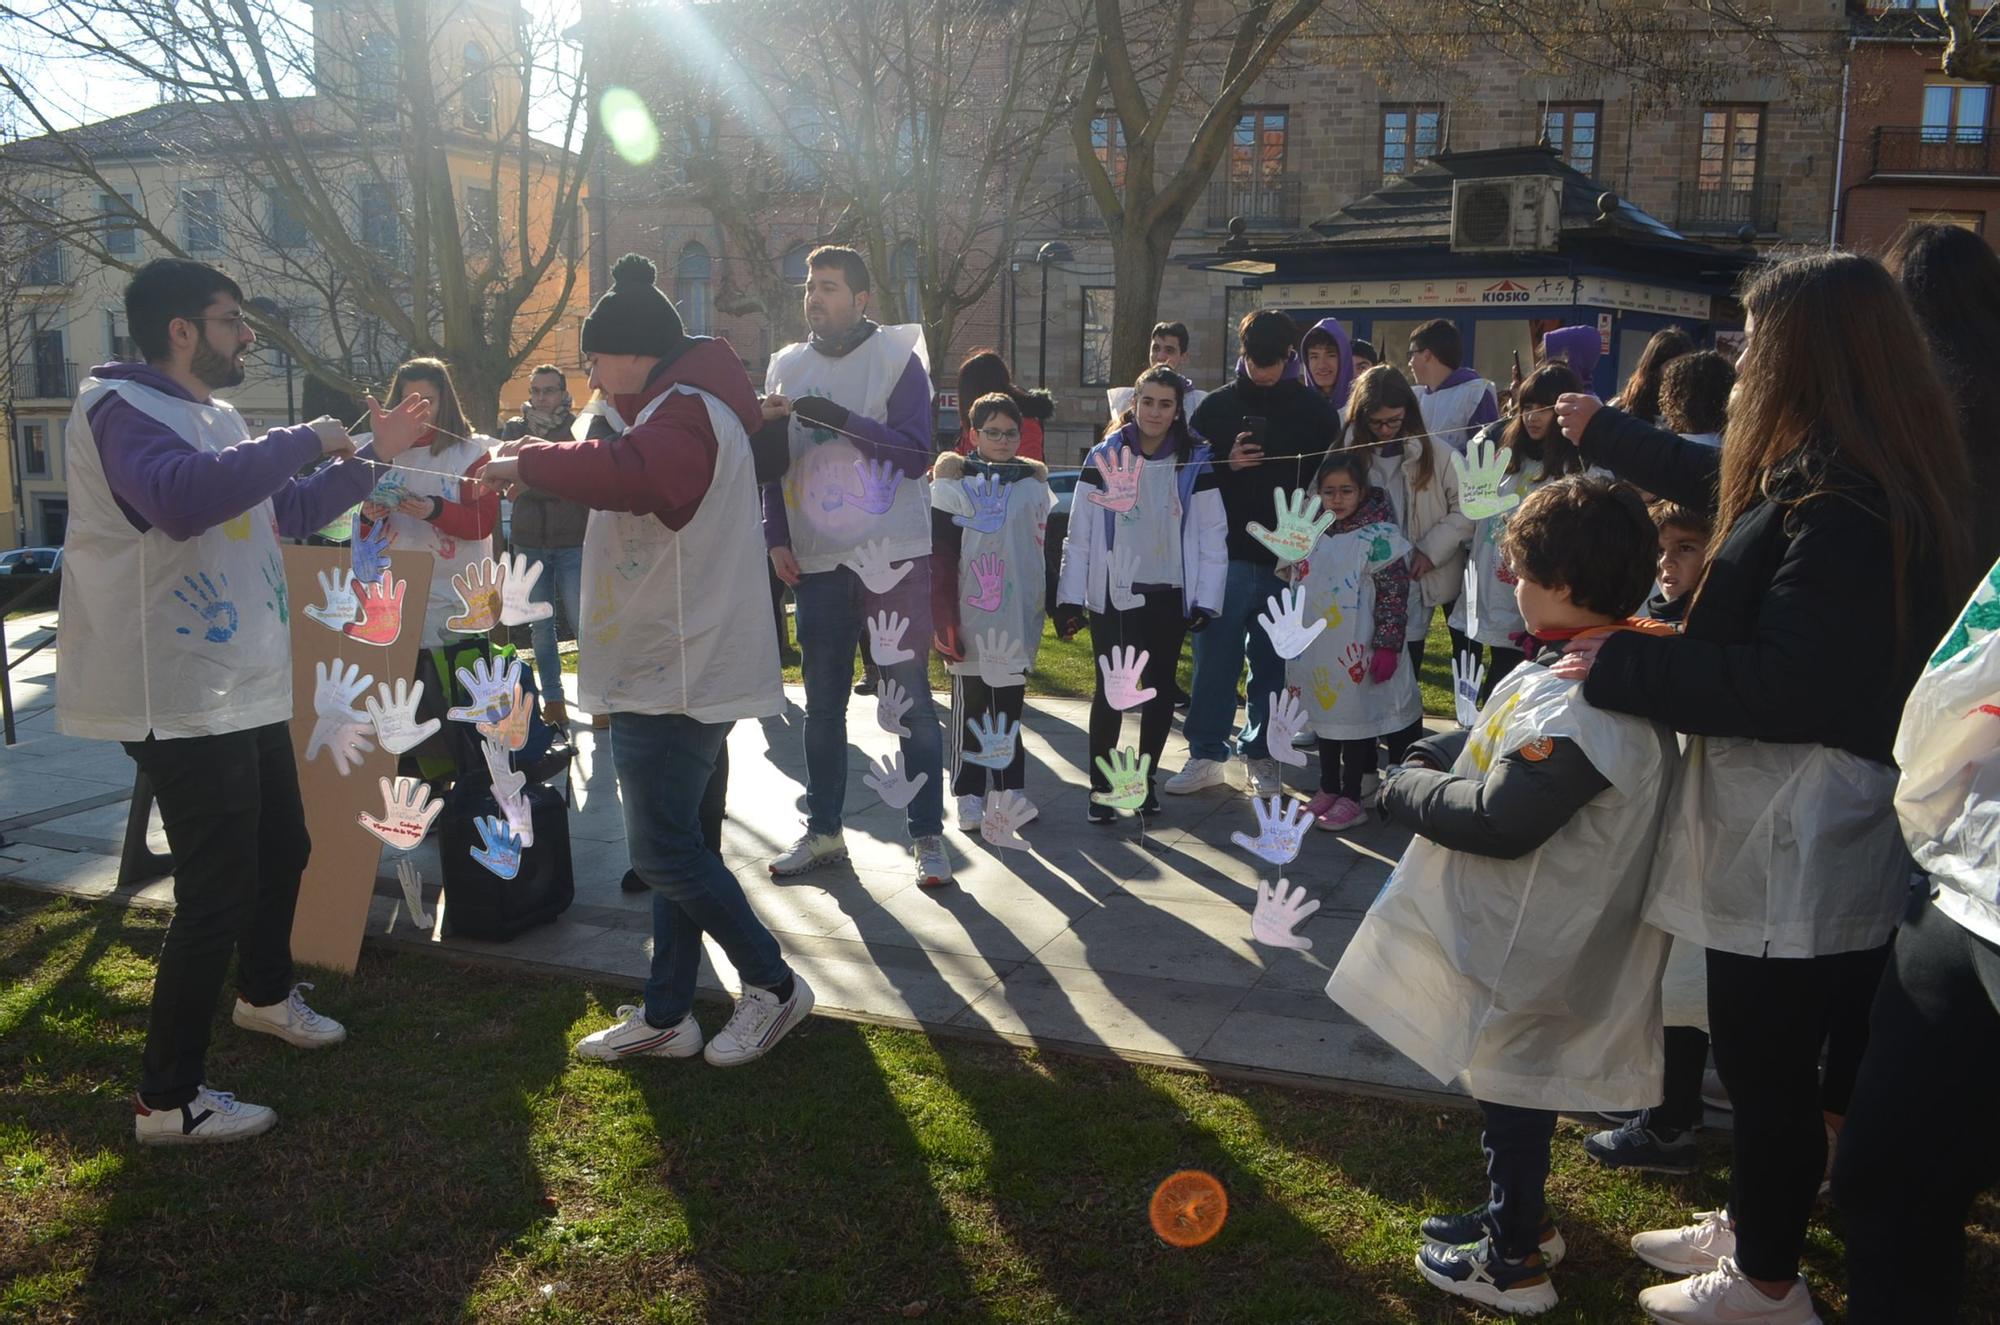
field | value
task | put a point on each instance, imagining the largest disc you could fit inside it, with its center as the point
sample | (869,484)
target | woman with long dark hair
(1641,395)
(984,373)
(1840,553)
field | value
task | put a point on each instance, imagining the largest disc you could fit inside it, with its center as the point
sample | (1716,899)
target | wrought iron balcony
(1271,203)
(44,379)
(1726,209)
(1965,152)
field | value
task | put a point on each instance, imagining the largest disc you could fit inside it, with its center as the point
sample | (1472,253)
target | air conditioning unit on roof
(1511,214)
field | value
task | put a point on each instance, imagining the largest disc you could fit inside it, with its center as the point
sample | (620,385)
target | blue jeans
(1218,663)
(833,608)
(664,761)
(562,571)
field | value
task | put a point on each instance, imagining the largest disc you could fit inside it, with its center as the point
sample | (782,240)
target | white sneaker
(212,1116)
(933,865)
(809,853)
(1723,1296)
(291,1021)
(1264,777)
(635,1037)
(1691,1249)
(1371,783)
(1196,774)
(760,1021)
(971,813)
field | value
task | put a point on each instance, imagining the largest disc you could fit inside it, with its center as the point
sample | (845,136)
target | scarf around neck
(843,343)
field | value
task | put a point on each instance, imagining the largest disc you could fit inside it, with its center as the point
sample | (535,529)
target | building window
(808,142)
(1097,310)
(201,220)
(1409,134)
(691,289)
(286,228)
(478,88)
(51,377)
(34,449)
(121,235)
(1107,142)
(375,67)
(378,216)
(1257,147)
(482,217)
(793,266)
(1572,131)
(1955,114)
(1973,221)
(43,264)
(1731,148)
(909,275)
(123,349)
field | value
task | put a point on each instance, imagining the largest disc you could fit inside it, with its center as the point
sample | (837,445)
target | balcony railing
(1727,208)
(1961,153)
(1264,204)
(45,379)
(1075,208)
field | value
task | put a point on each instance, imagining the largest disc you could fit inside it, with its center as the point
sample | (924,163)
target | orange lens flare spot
(1188,1208)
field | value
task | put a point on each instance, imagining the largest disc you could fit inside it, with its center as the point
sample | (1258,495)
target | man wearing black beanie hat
(677,645)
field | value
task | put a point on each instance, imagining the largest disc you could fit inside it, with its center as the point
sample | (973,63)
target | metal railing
(1966,152)
(1264,204)
(1726,208)
(1075,208)
(45,379)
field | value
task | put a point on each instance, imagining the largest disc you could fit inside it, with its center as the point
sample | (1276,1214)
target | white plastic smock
(170,637)
(1019,544)
(680,621)
(821,486)
(1533,982)
(424,474)
(1487,610)
(1339,584)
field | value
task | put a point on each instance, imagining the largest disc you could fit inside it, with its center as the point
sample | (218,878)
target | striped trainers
(761,1019)
(635,1037)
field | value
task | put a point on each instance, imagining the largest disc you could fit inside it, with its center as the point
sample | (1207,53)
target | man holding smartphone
(1271,428)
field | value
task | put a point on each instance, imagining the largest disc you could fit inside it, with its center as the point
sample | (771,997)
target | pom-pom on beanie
(633,317)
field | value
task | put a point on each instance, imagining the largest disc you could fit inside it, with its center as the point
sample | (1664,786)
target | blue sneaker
(1638,1147)
(1479,1274)
(1463,1230)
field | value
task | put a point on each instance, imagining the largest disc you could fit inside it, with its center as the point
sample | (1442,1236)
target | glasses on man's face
(545,390)
(235,319)
(1001,434)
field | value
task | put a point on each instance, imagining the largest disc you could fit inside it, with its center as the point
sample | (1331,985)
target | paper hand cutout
(479,588)
(1120,469)
(1122,670)
(1280,908)
(413,892)
(1288,719)
(1124,568)
(997,736)
(336,587)
(988,496)
(1480,474)
(381,613)
(395,717)
(370,552)
(507,791)
(1467,675)
(1281,828)
(888,780)
(1005,814)
(336,688)
(1301,520)
(891,703)
(871,563)
(991,573)
(517,604)
(1001,662)
(1129,774)
(407,812)
(512,730)
(1355,659)
(345,742)
(215,615)
(1285,623)
(1324,693)
(501,852)
(885,638)
(879,481)
(389,490)
(490,689)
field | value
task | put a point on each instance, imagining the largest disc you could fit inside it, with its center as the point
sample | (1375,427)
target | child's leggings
(1155,627)
(971,699)
(1342,765)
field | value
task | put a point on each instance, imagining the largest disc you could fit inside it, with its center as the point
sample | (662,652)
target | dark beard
(215,370)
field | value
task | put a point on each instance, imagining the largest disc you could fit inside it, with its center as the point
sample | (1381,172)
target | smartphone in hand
(1257,426)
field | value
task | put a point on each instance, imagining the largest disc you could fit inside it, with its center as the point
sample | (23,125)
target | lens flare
(629,126)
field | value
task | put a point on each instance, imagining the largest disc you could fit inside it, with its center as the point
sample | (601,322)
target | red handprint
(381,613)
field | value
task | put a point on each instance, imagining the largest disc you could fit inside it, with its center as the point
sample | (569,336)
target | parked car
(30,560)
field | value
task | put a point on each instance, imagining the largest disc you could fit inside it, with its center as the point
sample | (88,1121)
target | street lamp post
(1047,256)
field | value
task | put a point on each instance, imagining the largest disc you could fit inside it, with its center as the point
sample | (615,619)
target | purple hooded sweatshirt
(1580,347)
(163,481)
(1343,383)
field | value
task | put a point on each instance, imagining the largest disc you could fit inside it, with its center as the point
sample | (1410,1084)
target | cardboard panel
(340,878)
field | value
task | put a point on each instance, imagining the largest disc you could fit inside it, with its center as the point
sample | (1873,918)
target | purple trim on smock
(1487,410)
(903,439)
(163,481)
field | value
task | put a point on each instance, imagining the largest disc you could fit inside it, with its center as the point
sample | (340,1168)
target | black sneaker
(631,883)
(865,686)
(1099,814)
(1479,1274)
(1638,1147)
(1470,1227)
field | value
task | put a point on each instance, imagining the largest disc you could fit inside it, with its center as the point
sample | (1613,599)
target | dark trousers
(233,817)
(1768,1017)
(1342,765)
(1516,1142)
(1155,627)
(1680,1109)
(972,698)
(1906,1173)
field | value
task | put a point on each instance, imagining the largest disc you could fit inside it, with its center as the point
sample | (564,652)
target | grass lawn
(452,1161)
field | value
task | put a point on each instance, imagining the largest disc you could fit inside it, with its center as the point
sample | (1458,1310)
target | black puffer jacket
(1300,424)
(1792,635)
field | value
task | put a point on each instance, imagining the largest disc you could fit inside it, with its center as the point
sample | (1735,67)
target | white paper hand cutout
(341,605)
(413,892)
(885,638)
(1124,566)
(1120,469)
(1001,662)
(517,605)
(1288,719)
(508,784)
(1280,908)
(1281,828)
(336,687)
(489,689)
(887,779)
(407,811)
(997,736)
(1003,817)
(891,703)
(1467,675)
(1285,623)
(394,714)
(1481,473)
(1122,670)
(871,562)
(345,742)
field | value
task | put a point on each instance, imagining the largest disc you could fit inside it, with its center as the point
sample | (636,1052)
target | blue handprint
(218,614)
(500,851)
(989,505)
(879,481)
(996,736)
(371,553)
